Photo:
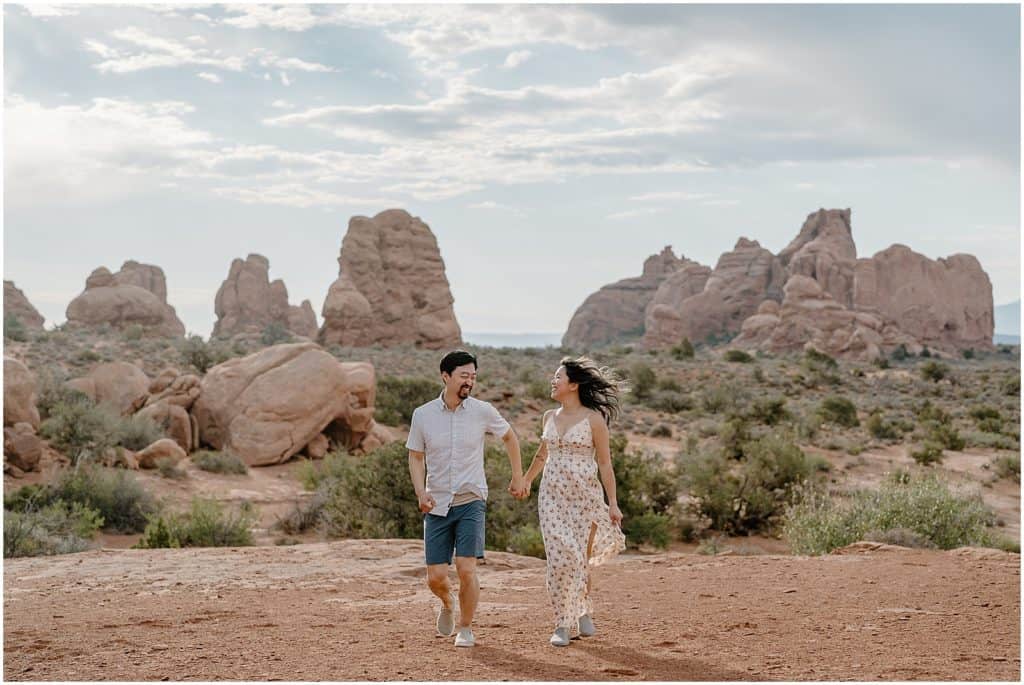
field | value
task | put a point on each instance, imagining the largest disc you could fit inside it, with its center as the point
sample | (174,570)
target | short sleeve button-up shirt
(453,442)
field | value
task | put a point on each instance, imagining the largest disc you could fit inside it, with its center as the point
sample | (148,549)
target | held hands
(427,503)
(615,515)
(519,488)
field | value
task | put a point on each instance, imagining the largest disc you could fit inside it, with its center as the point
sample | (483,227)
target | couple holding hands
(446,462)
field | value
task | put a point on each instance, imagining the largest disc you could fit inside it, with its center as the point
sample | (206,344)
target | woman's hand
(615,515)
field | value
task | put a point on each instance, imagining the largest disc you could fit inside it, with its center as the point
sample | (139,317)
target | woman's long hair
(599,387)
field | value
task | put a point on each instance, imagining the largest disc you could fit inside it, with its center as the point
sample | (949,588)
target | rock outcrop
(945,304)
(137,294)
(662,323)
(18,306)
(22,447)
(824,250)
(164,448)
(247,302)
(19,394)
(391,288)
(616,311)
(271,404)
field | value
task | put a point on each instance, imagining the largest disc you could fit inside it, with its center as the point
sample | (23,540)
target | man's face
(461,381)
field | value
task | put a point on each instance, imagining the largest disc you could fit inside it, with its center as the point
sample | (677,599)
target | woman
(579,529)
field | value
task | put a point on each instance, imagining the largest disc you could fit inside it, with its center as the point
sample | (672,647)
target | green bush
(968,353)
(1011,386)
(746,496)
(944,434)
(133,332)
(397,398)
(933,371)
(81,430)
(642,380)
(138,432)
(205,524)
(528,541)
(202,355)
(14,329)
(737,356)
(924,505)
(684,350)
(819,368)
(770,411)
(538,390)
(646,488)
(929,453)
(52,389)
(661,431)
(880,429)
(734,435)
(669,401)
(167,467)
(900,353)
(993,440)
(57,528)
(275,333)
(219,462)
(839,410)
(115,494)
(1007,466)
(927,411)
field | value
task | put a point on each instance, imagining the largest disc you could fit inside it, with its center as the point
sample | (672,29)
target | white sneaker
(465,638)
(587,628)
(446,621)
(560,638)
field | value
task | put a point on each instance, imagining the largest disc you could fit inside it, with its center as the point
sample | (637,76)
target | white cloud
(284,79)
(207,76)
(282,104)
(156,52)
(287,17)
(633,213)
(668,195)
(199,16)
(198,40)
(299,195)
(516,58)
(804,185)
(721,203)
(49,11)
(380,73)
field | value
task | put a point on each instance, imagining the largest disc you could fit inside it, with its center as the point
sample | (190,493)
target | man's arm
(418,471)
(515,460)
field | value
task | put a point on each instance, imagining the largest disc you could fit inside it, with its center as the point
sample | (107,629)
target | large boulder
(616,311)
(137,294)
(175,388)
(247,302)
(19,394)
(391,287)
(824,250)
(22,447)
(269,405)
(945,304)
(120,385)
(742,279)
(175,421)
(164,448)
(18,306)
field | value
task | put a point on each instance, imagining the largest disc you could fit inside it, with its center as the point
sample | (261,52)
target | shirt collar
(444,407)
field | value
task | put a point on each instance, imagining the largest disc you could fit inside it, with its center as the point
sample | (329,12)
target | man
(446,446)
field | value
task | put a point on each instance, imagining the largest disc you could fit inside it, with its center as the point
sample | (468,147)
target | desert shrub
(737,356)
(85,357)
(808,425)
(538,390)
(133,332)
(52,389)
(647,491)
(749,495)
(137,432)
(933,370)
(167,467)
(880,429)
(944,434)
(984,412)
(770,411)
(1007,466)
(903,537)
(900,353)
(968,353)
(275,333)
(819,368)
(202,355)
(510,522)
(670,384)
(929,453)
(993,440)
(926,411)
(839,410)
(991,425)
(684,350)
(923,505)
(205,524)
(880,362)
(642,380)
(661,431)
(118,497)
(397,398)
(14,329)
(734,435)
(669,401)
(57,528)
(1011,386)
(219,462)
(528,541)
(925,352)
(80,429)
(303,516)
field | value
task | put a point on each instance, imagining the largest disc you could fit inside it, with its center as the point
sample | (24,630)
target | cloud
(287,17)
(207,76)
(282,104)
(43,11)
(634,213)
(668,195)
(156,52)
(284,79)
(300,196)
(516,58)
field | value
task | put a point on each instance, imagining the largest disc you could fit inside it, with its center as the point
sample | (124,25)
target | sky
(550,148)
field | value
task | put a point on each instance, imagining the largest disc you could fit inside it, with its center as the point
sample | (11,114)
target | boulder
(19,394)
(616,311)
(164,448)
(317,447)
(121,385)
(173,419)
(22,447)
(391,287)
(269,405)
(18,306)
(137,294)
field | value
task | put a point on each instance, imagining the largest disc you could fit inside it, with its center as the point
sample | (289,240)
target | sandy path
(359,610)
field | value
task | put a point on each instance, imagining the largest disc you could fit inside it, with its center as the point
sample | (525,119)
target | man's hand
(426,503)
(519,488)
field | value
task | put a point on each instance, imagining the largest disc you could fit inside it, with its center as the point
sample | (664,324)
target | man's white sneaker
(446,621)
(560,638)
(465,638)
(587,628)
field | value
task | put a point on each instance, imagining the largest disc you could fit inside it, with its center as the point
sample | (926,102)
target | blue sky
(551,148)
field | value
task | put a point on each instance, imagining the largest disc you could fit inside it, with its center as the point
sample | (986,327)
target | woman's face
(560,385)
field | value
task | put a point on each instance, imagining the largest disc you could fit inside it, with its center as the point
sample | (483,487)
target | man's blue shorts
(462,530)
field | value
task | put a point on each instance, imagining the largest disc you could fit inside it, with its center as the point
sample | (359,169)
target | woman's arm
(539,458)
(599,429)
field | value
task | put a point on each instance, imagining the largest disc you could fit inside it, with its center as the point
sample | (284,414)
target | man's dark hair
(455,359)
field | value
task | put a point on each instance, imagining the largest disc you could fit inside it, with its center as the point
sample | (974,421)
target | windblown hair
(599,387)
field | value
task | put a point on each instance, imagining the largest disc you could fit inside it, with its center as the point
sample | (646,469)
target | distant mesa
(18,306)
(137,294)
(247,302)
(815,292)
(391,287)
